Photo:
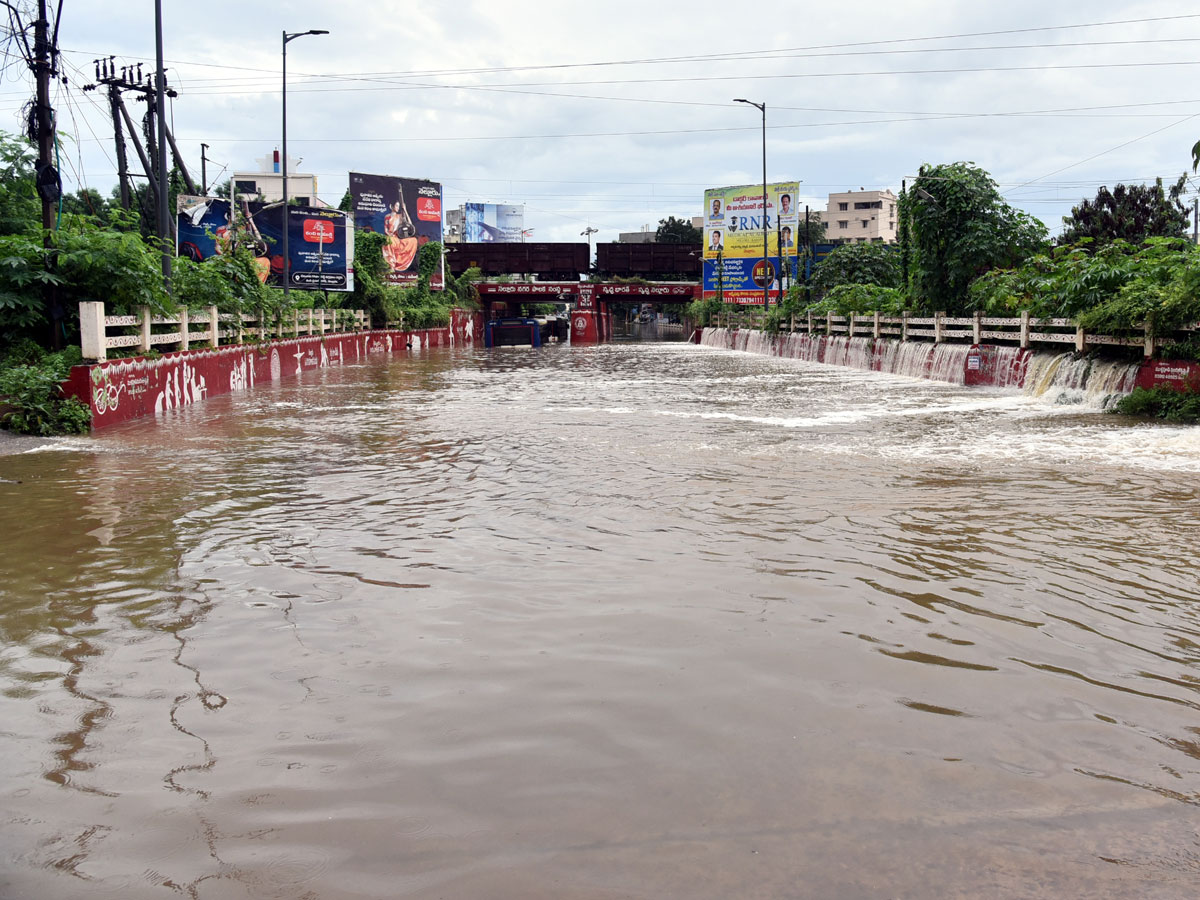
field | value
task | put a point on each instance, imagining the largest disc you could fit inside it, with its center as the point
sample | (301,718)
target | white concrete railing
(938,327)
(95,340)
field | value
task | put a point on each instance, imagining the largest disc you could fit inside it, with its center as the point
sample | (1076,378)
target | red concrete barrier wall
(122,389)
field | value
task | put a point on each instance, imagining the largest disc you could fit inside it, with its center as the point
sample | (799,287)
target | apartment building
(267,182)
(861,217)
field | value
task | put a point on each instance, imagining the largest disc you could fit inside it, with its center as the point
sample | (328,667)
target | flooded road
(624,622)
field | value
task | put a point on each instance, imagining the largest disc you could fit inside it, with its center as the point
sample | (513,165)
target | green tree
(346,203)
(20,208)
(960,227)
(869,263)
(1130,213)
(86,202)
(677,231)
(810,233)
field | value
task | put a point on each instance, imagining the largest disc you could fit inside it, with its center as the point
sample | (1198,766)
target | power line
(709,57)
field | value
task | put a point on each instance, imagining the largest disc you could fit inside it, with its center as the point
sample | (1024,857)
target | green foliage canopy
(677,231)
(865,263)
(1119,288)
(1130,213)
(959,228)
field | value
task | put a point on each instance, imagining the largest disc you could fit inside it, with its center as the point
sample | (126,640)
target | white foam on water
(71,445)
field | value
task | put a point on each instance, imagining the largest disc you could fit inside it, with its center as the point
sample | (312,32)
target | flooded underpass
(650,620)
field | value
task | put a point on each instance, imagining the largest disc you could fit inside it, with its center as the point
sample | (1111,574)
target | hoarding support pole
(286,273)
(287,267)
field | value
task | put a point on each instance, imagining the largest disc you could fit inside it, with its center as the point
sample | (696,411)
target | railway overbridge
(590,302)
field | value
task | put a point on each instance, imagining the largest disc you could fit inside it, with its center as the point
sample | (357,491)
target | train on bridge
(566,261)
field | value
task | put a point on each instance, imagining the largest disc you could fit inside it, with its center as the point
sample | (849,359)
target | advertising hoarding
(408,212)
(320,240)
(734,265)
(484,222)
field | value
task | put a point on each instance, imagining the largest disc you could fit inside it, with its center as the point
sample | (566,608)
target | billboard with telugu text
(320,240)
(407,212)
(735,266)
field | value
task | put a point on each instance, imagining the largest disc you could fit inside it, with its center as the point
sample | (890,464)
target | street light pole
(588,232)
(762,107)
(287,275)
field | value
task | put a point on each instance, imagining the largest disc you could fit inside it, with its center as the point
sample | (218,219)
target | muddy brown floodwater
(622,622)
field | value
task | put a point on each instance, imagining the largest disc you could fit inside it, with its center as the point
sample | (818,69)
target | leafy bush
(858,299)
(1189,349)
(32,402)
(1161,403)
(704,312)
(860,264)
(1116,289)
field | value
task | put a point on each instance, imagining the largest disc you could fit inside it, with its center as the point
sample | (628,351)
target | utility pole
(203,170)
(130,78)
(160,101)
(43,66)
(49,184)
(114,101)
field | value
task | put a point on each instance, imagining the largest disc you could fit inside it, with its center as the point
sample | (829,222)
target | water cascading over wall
(1064,377)
(939,362)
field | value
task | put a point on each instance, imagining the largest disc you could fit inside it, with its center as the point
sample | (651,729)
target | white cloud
(390,77)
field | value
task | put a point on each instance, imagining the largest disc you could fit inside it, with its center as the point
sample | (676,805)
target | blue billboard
(740,279)
(320,240)
(484,222)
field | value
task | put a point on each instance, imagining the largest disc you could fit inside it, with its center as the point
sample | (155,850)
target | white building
(861,216)
(267,182)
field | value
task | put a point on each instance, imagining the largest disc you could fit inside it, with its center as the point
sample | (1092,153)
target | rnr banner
(736,226)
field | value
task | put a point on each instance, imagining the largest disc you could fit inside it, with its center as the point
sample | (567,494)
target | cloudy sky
(616,113)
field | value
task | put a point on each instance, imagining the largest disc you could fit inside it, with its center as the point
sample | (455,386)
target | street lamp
(762,107)
(286,267)
(588,232)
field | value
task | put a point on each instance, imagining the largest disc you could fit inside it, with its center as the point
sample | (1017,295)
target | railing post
(92,336)
(262,324)
(1024,329)
(309,328)
(214,327)
(828,323)
(185,340)
(850,325)
(144,343)
(878,330)
(295,323)
(937,327)
(978,327)
(240,318)
(1080,339)
(904,325)
(322,319)
(1150,345)
(810,323)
